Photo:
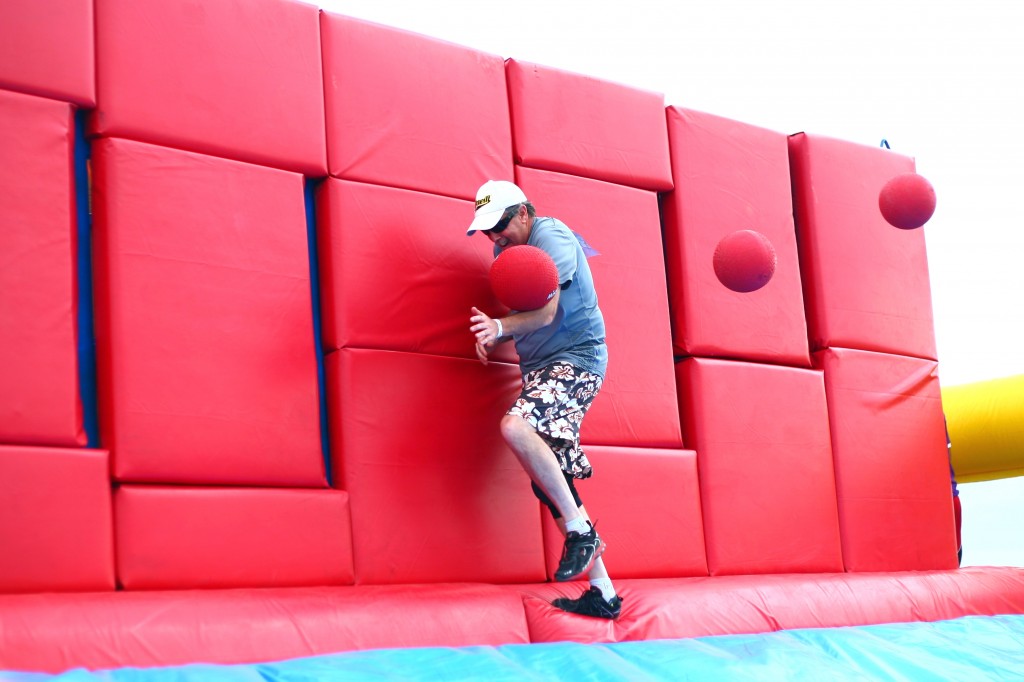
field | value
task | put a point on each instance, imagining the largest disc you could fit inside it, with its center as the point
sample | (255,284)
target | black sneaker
(578,554)
(592,603)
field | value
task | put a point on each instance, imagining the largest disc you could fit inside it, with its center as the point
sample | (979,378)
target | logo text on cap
(482,201)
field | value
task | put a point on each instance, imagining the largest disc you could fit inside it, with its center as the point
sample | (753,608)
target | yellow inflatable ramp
(986,427)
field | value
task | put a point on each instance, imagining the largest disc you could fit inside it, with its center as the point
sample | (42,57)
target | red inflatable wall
(408,111)
(555,127)
(753,426)
(390,279)
(39,383)
(56,528)
(204,319)
(46,49)
(434,487)
(298,451)
(174,537)
(637,405)
(212,77)
(866,282)
(638,548)
(885,414)
(730,176)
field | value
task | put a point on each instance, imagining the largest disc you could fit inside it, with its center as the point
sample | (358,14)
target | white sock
(605,585)
(579,524)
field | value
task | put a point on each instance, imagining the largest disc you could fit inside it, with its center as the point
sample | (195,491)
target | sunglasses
(503,223)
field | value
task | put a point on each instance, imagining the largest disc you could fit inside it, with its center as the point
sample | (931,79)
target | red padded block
(766,480)
(731,176)
(55,531)
(54,633)
(39,398)
(407,110)
(584,126)
(437,496)
(637,405)
(891,462)
(236,79)
(866,282)
(205,348)
(743,604)
(629,488)
(397,271)
(46,48)
(189,538)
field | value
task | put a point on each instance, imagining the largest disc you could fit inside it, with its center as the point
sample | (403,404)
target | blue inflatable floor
(972,648)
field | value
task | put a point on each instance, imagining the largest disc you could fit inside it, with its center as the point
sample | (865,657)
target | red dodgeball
(524,277)
(907,201)
(744,261)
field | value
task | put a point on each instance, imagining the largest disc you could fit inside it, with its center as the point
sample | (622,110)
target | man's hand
(482,351)
(486,331)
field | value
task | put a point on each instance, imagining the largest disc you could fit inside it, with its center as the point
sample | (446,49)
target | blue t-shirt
(576,335)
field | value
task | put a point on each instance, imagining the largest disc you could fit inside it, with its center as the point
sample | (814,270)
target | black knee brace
(549,504)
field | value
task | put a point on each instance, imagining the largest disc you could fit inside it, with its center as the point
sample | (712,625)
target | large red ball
(524,277)
(744,261)
(907,201)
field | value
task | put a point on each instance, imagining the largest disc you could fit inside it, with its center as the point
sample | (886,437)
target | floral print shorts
(554,400)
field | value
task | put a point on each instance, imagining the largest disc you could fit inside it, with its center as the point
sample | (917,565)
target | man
(563,357)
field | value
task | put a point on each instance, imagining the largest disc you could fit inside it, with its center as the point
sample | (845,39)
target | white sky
(942,81)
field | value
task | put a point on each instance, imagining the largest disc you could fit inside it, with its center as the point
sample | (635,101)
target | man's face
(514,232)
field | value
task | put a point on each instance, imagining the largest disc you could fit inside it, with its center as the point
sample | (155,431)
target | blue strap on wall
(309,190)
(86,326)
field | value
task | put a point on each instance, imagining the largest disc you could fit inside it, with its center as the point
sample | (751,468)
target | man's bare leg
(540,463)
(583,546)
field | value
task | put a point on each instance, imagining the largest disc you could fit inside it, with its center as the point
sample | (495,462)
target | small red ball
(907,201)
(524,277)
(744,261)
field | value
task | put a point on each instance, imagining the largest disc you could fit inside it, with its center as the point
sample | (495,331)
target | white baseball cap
(493,197)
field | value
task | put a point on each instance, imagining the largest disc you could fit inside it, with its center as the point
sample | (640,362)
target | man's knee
(514,428)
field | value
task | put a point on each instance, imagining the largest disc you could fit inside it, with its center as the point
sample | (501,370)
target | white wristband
(500,330)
